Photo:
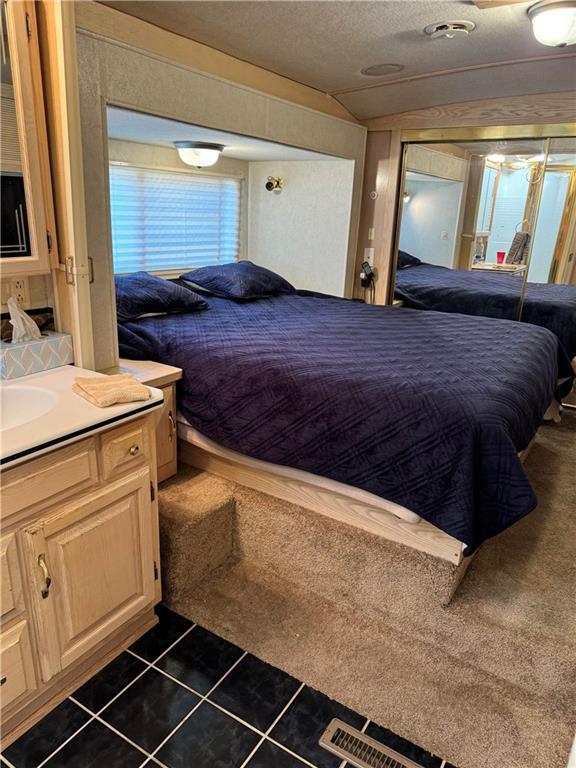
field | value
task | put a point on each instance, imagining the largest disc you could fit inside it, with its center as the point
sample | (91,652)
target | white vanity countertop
(40,412)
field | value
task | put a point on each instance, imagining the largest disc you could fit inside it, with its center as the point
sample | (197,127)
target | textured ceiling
(127,125)
(325,45)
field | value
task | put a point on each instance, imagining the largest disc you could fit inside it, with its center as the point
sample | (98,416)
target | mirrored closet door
(467,221)
(552,259)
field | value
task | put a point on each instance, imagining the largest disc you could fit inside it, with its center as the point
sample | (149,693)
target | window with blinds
(167,221)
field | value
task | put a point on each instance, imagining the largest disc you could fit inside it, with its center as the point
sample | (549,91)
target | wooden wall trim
(109,23)
(514,110)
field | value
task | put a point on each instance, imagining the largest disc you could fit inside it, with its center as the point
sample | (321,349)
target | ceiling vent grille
(449,29)
(361,750)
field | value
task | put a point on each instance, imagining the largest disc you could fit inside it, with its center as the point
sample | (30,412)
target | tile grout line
(290,752)
(204,698)
(147,668)
(195,707)
(165,651)
(269,729)
(51,755)
(94,715)
(110,727)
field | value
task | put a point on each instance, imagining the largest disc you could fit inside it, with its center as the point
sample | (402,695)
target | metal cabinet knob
(134,450)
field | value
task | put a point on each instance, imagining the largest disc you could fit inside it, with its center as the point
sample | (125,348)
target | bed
(552,306)
(428,411)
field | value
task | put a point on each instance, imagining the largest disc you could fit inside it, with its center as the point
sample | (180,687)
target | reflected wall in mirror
(550,292)
(467,221)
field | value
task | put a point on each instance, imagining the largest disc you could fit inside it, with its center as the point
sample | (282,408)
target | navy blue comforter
(425,409)
(476,293)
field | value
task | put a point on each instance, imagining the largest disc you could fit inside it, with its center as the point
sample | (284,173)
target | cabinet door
(92,569)
(166,436)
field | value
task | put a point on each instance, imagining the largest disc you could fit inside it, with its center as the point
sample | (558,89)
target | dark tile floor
(182,697)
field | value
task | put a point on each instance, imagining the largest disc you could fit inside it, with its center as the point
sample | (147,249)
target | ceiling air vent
(361,750)
(450,29)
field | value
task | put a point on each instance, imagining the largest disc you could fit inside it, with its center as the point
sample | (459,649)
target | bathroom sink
(20,404)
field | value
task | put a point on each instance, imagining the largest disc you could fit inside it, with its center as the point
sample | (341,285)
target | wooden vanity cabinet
(79,570)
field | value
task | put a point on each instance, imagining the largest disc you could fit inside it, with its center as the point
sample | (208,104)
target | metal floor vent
(360,750)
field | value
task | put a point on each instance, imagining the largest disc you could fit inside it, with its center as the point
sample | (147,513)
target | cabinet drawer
(16,665)
(11,584)
(125,448)
(51,478)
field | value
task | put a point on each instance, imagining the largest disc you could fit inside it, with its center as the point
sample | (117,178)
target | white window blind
(172,221)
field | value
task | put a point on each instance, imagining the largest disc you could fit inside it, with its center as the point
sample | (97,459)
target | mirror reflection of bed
(486,228)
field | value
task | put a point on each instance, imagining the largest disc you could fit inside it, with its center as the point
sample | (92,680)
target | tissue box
(25,357)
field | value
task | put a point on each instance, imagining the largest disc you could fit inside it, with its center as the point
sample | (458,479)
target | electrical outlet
(19,290)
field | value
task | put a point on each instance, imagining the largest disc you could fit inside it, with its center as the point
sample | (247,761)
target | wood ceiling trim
(112,24)
(543,108)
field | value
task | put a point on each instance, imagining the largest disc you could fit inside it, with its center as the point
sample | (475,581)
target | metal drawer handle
(134,450)
(47,579)
(172,425)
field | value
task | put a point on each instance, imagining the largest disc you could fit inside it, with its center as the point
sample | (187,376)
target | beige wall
(119,74)
(302,232)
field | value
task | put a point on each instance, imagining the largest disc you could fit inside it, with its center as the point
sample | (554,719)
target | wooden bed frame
(335,500)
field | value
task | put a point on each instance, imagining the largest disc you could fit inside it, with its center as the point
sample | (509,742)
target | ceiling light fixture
(449,30)
(198,153)
(554,22)
(381,70)
(496,158)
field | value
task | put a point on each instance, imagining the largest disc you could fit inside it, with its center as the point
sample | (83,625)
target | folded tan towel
(109,390)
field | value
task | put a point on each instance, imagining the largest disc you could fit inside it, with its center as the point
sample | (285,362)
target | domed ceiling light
(198,153)
(554,22)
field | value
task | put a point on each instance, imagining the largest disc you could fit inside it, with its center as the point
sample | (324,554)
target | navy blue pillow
(405,260)
(140,294)
(239,280)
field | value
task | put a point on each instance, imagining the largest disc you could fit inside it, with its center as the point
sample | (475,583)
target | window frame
(242,219)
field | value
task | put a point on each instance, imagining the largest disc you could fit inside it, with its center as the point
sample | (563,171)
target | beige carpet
(488,681)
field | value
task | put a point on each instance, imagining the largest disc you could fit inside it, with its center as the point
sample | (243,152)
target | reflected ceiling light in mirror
(406,197)
(536,159)
(496,158)
(198,153)
(554,22)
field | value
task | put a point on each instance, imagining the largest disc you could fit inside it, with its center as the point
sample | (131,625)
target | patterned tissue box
(25,357)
